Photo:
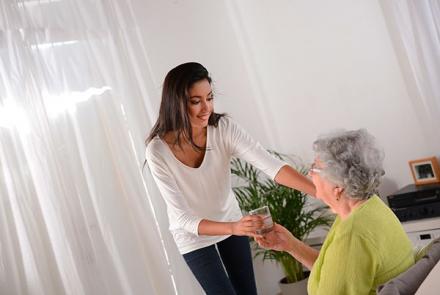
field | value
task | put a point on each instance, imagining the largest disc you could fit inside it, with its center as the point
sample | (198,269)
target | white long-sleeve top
(192,194)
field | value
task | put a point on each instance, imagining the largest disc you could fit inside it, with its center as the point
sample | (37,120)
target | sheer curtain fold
(414,27)
(76,212)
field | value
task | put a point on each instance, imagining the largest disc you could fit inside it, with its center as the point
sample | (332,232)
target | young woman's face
(200,105)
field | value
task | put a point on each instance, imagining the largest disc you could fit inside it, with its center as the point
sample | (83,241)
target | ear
(337,190)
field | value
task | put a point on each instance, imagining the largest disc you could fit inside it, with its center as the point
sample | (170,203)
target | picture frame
(425,171)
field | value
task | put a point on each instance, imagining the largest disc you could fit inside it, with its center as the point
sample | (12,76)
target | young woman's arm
(246,226)
(288,176)
(245,147)
(182,215)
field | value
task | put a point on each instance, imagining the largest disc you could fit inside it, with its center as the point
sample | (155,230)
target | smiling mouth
(204,117)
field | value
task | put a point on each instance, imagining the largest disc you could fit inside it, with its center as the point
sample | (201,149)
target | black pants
(235,253)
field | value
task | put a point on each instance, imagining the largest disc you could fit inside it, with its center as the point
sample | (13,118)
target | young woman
(189,151)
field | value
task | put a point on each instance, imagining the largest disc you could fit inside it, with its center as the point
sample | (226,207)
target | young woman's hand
(247,226)
(279,239)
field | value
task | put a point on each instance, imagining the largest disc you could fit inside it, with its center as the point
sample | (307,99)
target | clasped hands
(279,238)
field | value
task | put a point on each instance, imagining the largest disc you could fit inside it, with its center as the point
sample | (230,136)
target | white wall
(331,65)
(289,70)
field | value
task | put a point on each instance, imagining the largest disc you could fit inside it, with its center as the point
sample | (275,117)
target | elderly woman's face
(325,190)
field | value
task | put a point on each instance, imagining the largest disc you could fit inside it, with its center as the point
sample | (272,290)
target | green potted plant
(288,207)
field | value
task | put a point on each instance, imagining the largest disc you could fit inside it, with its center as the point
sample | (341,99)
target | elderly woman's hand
(279,239)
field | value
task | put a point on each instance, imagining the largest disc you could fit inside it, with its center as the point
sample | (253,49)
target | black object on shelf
(416,202)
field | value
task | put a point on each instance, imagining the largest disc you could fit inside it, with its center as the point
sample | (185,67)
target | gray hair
(352,161)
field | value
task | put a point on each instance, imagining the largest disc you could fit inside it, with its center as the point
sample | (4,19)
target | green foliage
(287,206)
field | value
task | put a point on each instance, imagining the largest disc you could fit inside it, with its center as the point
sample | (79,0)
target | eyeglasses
(313,169)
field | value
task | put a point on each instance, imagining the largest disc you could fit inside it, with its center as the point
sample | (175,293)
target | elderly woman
(366,245)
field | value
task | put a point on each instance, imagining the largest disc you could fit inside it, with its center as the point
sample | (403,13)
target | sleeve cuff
(275,168)
(195,226)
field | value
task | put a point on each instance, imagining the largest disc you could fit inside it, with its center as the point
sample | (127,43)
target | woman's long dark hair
(173,113)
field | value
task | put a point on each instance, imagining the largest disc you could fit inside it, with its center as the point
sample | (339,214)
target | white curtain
(75,213)
(414,26)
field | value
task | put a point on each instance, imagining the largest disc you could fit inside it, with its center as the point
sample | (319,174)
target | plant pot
(297,288)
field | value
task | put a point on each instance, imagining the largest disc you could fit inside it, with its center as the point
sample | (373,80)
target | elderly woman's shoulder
(371,217)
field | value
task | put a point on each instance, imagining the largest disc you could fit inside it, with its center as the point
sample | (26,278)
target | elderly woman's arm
(288,176)
(280,239)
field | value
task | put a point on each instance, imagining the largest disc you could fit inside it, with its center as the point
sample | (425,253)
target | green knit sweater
(361,252)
